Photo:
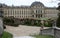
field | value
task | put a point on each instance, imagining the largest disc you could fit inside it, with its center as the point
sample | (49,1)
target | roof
(50,7)
(36,3)
(2,5)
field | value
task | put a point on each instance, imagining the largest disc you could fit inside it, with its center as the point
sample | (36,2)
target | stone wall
(57,33)
(51,31)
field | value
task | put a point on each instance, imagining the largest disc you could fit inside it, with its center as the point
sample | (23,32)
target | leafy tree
(58,20)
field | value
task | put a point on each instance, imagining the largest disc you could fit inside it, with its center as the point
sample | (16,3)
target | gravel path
(23,30)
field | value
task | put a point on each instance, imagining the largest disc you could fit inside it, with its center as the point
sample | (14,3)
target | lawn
(43,36)
(7,35)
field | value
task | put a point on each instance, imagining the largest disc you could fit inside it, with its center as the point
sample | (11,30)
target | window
(32,15)
(13,12)
(41,15)
(1,13)
(41,11)
(36,15)
(22,12)
(22,16)
(36,11)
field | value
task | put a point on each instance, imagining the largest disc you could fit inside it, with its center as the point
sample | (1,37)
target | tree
(8,20)
(58,20)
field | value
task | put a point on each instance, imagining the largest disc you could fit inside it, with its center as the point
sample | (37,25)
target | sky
(47,3)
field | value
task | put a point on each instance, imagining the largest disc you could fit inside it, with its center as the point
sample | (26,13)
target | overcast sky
(48,3)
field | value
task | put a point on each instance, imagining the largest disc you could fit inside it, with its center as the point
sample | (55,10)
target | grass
(43,36)
(7,35)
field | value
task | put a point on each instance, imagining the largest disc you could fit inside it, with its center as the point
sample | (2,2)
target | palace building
(36,10)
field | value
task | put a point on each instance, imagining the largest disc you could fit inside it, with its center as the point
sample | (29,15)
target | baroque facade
(36,10)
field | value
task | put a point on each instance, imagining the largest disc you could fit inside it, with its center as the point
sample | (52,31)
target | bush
(30,23)
(7,35)
(10,22)
(58,21)
(15,25)
(48,24)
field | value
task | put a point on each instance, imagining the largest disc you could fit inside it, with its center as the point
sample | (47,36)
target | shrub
(7,35)
(8,20)
(48,24)
(15,25)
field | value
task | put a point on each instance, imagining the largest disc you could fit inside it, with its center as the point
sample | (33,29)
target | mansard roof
(50,7)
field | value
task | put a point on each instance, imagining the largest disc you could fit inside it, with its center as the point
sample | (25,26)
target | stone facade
(36,10)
